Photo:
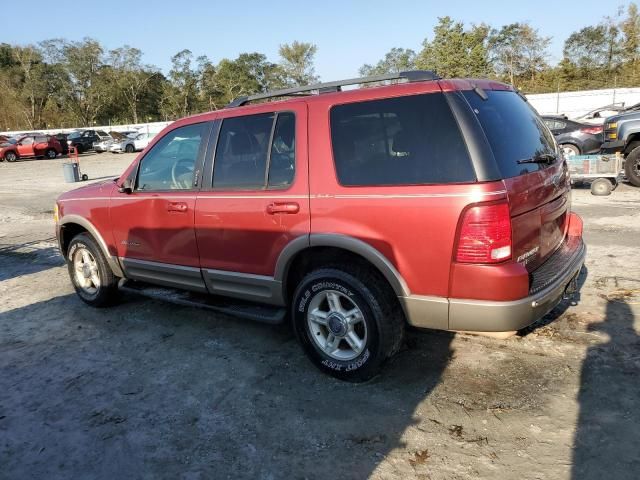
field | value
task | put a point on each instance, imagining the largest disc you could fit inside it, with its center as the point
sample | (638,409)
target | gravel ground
(148,389)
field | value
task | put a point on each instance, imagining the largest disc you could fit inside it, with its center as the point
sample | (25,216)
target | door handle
(177,207)
(283,207)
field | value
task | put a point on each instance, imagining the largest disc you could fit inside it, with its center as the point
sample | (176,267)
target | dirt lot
(152,390)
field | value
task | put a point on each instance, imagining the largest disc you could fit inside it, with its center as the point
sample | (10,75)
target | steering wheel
(178,177)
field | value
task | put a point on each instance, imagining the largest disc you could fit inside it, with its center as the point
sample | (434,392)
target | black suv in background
(83,140)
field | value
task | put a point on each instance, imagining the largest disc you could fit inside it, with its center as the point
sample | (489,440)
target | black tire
(381,316)
(601,187)
(10,156)
(51,154)
(98,151)
(129,148)
(571,149)
(106,293)
(632,167)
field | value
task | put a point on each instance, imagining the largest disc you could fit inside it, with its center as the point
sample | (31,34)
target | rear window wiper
(542,158)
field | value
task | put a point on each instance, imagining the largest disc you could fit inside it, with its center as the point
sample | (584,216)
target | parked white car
(133,143)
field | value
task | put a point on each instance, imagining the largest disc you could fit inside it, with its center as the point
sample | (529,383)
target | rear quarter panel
(414,227)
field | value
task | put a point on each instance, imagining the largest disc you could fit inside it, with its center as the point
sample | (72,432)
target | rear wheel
(90,273)
(51,154)
(601,187)
(569,150)
(348,323)
(129,148)
(632,167)
(10,156)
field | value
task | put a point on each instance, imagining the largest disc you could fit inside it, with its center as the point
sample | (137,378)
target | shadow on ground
(150,390)
(608,434)
(25,258)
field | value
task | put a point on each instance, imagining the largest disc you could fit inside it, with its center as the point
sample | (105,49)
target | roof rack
(409,76)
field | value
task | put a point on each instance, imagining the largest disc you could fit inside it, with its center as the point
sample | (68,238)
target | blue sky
(348,34)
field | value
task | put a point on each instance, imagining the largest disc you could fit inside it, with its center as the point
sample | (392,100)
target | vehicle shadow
(608,434)
(151,390)
(25,258)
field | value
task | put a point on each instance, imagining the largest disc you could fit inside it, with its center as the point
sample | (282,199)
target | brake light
(575,225)
(592,130)
(485,234)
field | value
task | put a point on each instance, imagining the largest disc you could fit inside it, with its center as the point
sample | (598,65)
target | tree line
(59,83)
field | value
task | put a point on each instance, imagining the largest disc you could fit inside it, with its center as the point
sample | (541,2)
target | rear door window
(255,152)
(514,130)
(411,140)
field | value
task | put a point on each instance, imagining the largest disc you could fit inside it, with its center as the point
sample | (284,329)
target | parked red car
(30,146)
(435,203)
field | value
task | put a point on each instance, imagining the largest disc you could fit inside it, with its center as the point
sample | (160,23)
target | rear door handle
(283,207)
(177,207)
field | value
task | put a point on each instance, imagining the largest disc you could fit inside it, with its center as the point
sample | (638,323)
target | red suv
(436,203)
(30,146)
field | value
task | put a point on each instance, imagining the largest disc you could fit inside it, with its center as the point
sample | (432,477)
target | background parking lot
(153,390)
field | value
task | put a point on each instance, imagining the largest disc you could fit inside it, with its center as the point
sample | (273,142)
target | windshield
(514,130)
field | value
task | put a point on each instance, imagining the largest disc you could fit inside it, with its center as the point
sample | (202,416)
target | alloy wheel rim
(337,325)
(568,152)
(85,270)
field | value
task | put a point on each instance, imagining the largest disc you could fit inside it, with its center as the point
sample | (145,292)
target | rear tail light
(592,130)
(485,234)
(575,225)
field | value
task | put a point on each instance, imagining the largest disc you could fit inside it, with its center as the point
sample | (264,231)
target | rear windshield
(514,130)
(411,140)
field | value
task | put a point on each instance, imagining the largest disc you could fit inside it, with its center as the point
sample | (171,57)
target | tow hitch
(572,287)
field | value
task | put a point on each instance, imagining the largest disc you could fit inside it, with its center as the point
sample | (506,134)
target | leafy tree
(87,90)
(517,50)
(249,73)
(395,60)
(180,94)
(454,51)
(130,76)
(593,47)
(296,61)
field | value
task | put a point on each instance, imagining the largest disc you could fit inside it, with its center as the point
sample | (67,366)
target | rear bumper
(547,290)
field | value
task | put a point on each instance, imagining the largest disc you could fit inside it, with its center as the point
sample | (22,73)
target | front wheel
(10,156)
(129,148)
(632,167)
(51,154)
(348,323)
(90,273)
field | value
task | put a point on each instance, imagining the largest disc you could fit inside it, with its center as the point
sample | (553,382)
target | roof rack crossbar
(411,76)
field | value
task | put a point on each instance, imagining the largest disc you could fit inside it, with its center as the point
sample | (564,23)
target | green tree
(395,60)
(296,61)
(454,51)
(518,51)
(180,93)
(88,90)
(592,48)
(248,74)
(131,77)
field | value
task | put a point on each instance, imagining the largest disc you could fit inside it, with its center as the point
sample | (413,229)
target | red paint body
(33,148)
(414,227)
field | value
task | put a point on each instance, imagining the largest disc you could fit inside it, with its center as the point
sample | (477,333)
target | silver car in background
(133,143)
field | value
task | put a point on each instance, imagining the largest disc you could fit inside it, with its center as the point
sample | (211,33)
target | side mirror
(126,187)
